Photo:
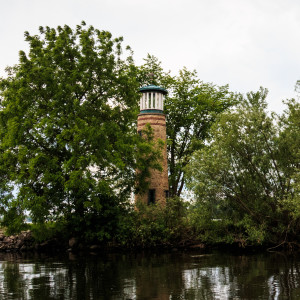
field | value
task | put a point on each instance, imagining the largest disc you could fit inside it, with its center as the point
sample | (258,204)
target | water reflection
(165,276)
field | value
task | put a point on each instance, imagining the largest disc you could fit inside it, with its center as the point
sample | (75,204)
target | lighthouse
(151,112)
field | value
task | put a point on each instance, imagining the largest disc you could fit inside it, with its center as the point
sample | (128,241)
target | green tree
(5,198)
(243,180)
(289,145)
(67,128)
(191,107)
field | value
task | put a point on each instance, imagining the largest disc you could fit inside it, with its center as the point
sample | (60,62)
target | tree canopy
(69,149)
(247,178)
(191,106)
(67,128)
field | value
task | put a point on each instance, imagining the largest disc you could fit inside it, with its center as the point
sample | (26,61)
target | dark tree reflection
(150,276)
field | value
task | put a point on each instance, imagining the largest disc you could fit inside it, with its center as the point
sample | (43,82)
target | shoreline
(26,243)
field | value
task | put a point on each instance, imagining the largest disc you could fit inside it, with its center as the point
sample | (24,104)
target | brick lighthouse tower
(151,112)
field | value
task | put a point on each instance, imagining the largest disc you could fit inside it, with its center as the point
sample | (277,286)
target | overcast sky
(243,43)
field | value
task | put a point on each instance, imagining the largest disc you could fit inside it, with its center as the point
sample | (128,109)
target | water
(150,276)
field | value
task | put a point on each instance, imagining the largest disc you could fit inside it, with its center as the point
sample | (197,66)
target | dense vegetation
(246,180)
(69,150)
(67,131)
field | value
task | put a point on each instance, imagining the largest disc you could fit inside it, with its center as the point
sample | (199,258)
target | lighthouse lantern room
(152,98)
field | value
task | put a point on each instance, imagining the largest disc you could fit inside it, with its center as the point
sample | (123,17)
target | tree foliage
(69,150)
(67,128)
(191,107)
(156,226)
(246,180)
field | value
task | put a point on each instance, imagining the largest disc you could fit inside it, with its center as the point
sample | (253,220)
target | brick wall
(158,179)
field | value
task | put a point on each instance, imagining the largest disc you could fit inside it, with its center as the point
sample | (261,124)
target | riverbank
(25,242)
(22,242)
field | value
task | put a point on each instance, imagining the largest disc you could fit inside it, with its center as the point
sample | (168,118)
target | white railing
(152,100)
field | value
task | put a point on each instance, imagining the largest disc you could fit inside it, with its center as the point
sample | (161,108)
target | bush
(154,225)
(49,230)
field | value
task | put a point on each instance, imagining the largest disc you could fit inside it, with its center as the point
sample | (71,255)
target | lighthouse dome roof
(153,88)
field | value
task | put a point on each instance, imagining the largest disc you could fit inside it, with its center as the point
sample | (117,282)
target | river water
(175,275)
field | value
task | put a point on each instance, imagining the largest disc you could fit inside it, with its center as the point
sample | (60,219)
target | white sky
(243,43)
